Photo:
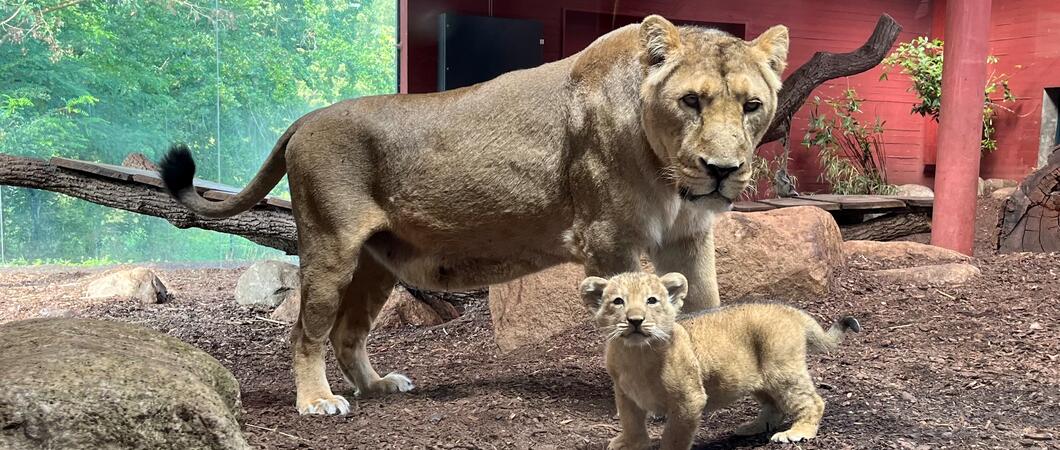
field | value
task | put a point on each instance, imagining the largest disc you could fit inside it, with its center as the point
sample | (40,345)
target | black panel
(473,49)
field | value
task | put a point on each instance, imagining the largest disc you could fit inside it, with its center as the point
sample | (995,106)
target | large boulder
(785,253)
(901,252)
(937,274)
(536,307)
(139,283)
(266,284)
(89,384)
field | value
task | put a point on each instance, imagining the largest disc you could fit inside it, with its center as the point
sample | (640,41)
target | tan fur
(707,361)
(580,160)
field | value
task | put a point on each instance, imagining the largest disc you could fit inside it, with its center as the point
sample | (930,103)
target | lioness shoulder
(679,366)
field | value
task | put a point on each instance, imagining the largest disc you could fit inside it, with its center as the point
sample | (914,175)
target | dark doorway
(581,28)
(473,49)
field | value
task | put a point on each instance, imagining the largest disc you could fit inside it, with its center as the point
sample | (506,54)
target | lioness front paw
(391,383)
(792,436)
(335,404)
(622,443)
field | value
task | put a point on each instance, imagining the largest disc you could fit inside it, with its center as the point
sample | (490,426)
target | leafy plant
(921,59)
(852,153)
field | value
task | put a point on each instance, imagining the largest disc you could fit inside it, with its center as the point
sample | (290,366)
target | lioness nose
(719,170)
(635,322)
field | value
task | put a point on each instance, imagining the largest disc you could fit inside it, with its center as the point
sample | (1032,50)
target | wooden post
(960,124)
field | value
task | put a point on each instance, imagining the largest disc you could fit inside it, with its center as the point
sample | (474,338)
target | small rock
(1035,326)
(288,310)
(1002,193)
(139,283)
(55,312)
(266,284)
(1038,436)
(992,184)
(435,418)
(403,309)
(952,273)
(914,190)
(907,397)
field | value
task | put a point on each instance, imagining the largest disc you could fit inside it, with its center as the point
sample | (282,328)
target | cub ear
(774,43)
(592,290)
(659,38)
(676,288)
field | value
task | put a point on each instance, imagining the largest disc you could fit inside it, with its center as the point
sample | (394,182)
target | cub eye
(691,101)
(618,301)
(751,106)
(652,300)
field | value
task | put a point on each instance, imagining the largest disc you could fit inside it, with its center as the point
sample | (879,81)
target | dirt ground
(971,366)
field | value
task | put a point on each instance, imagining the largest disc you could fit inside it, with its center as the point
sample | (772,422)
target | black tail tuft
(851,324)
(177,168)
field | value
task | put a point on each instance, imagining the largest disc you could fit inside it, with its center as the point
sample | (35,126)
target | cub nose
(719,170)
(635,322)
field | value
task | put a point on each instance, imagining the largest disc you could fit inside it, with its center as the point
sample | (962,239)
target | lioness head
(707,100)
(638,308)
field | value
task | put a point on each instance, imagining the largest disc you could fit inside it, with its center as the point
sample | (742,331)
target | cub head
(707,99)
(635,308)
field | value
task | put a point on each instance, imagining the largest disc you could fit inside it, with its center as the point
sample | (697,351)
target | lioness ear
(774,43)
(592,290)
(659,38)
(676,288)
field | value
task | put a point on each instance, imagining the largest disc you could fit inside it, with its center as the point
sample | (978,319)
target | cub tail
(820,340)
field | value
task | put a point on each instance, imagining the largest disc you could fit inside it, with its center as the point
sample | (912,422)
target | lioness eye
(618,301)
(691,101)
(652,300)
(751,106)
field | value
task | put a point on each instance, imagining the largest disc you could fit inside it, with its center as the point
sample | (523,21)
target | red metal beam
(960,124)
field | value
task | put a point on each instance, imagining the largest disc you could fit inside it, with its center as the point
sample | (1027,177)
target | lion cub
(707,360)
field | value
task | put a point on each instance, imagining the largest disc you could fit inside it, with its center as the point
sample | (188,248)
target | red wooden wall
(1020,37)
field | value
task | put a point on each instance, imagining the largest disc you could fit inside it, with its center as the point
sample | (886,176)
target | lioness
(708,360)
(627,147)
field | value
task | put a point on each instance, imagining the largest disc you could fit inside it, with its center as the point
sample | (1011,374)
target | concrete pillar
(960,124)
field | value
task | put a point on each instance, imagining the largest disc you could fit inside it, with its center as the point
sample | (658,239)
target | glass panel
(99,80)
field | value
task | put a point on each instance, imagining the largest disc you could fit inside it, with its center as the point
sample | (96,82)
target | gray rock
(1002,193)
(266,284)
(139,283)
(89,384)
(951,273)
(992,184)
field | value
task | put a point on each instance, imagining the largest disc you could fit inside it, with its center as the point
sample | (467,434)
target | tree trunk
(1029,220)
(889,227)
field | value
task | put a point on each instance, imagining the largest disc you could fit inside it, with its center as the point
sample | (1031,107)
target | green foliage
(921,59)
(100,80)
(852,153)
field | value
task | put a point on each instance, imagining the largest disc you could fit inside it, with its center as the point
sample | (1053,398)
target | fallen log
(888,227)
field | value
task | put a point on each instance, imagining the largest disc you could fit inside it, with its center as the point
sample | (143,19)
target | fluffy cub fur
(708,360)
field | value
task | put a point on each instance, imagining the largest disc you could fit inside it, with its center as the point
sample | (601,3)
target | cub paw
(393,382)
(333,405)
(792,436)
(621,443)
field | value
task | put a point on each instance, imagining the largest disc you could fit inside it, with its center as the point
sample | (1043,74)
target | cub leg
(694,257)
(799,399)
(769,417)
(682,422)
(361,302)
(634,433)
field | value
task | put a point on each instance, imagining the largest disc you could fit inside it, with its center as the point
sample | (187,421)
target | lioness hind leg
(361,302)
(328,261)
(800,400)
(769,417)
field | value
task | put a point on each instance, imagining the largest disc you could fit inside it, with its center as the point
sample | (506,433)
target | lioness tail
(819,340)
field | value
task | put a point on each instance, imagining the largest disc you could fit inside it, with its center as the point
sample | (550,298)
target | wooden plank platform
(749,206)
(800,201)
(208,189)
(859,202)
